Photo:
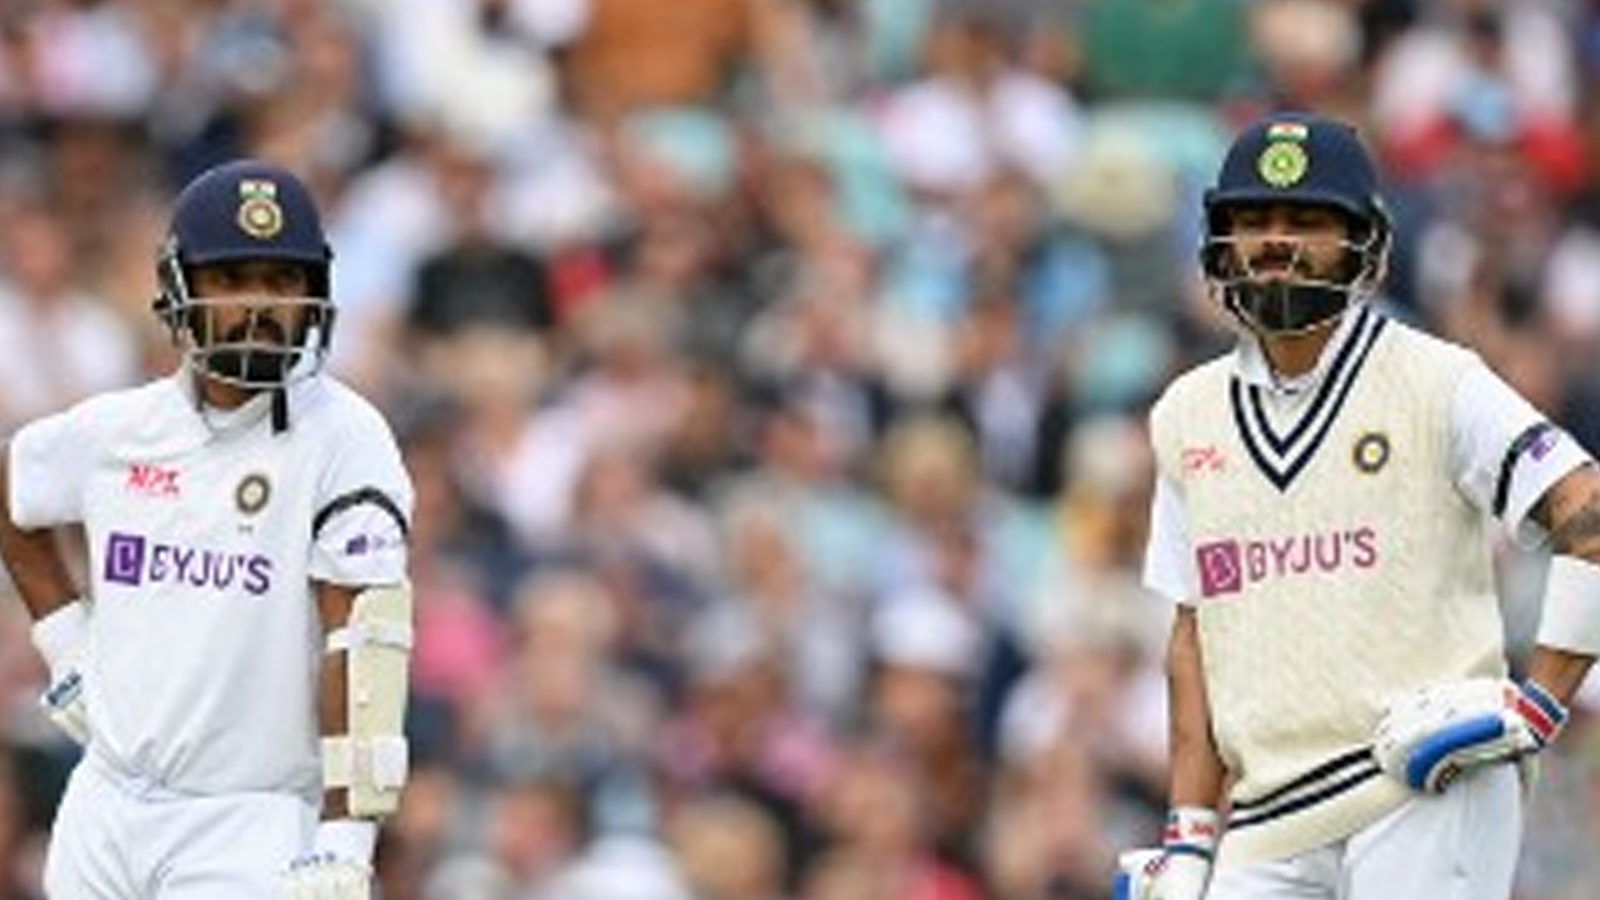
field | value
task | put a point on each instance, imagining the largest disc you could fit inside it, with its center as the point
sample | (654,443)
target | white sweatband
(347,839)
(62,634)
(1195,830)
(1571,617)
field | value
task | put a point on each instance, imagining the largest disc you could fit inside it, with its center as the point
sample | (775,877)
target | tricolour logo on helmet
(260,216)
(1283,163)
(1288,131)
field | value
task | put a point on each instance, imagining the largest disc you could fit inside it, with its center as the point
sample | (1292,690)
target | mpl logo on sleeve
(1227,566)
(1205,460)
(152,480)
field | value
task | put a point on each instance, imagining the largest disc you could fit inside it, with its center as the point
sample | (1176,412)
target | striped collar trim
(1281,457)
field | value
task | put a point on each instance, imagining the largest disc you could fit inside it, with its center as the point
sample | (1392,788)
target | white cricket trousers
(1459,845)
(114,840)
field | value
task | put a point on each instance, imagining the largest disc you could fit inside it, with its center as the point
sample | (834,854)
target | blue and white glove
(1181,868)
(62,638)
(339,864)
(1428,738)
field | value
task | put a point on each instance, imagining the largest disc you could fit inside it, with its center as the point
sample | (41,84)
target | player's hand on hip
(1430,737)
(338,866)
(1181,868)
(63,640)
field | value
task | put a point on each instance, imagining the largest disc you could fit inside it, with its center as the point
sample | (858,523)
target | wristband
(62,633)
(1192,830)
(1539,708)
(347,839)
(1570,619)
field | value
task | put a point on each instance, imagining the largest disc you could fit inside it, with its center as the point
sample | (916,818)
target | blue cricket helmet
(248,210)
(241,211)
(1300,158)
(1297,158)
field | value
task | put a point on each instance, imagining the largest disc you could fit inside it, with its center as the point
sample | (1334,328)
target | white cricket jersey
(1332,538)
(1486,418)
(205,532)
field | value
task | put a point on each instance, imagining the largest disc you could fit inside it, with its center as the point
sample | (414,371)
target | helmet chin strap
(203,371)
(254,368)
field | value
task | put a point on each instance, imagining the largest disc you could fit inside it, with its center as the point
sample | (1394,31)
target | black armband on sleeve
(1508,464)
(355,498)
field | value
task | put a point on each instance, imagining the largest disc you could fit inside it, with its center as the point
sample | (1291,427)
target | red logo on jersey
(1201,460)
(152,480)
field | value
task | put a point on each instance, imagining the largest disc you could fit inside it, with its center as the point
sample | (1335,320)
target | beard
(1285,307)
(254,366)
(267,363)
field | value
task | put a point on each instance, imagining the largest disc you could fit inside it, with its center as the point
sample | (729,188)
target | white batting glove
(339,864)
(1181,868)
(63,640)
(1428,738)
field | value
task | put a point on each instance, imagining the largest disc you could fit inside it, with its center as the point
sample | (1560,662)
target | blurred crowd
(773,375)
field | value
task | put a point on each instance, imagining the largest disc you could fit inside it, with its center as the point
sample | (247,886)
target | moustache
(257,330)
(1281,263)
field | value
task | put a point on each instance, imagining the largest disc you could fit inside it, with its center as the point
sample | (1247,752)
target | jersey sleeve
(1168,558)
(1506,453)
(48,463)
(362,523)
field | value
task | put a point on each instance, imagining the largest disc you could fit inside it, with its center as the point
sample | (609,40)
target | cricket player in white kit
(1344,726)
(235,666)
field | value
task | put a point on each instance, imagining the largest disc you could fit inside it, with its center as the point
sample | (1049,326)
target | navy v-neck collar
(1283,455)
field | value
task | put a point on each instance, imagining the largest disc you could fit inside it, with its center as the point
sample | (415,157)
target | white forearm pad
(1571,617)
(377,767)
(371,762)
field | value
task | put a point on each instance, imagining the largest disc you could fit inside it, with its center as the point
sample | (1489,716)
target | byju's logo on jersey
(1226,567)
(152,480)
(134,560)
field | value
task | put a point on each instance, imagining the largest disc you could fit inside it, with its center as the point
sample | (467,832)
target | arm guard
(372,760)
